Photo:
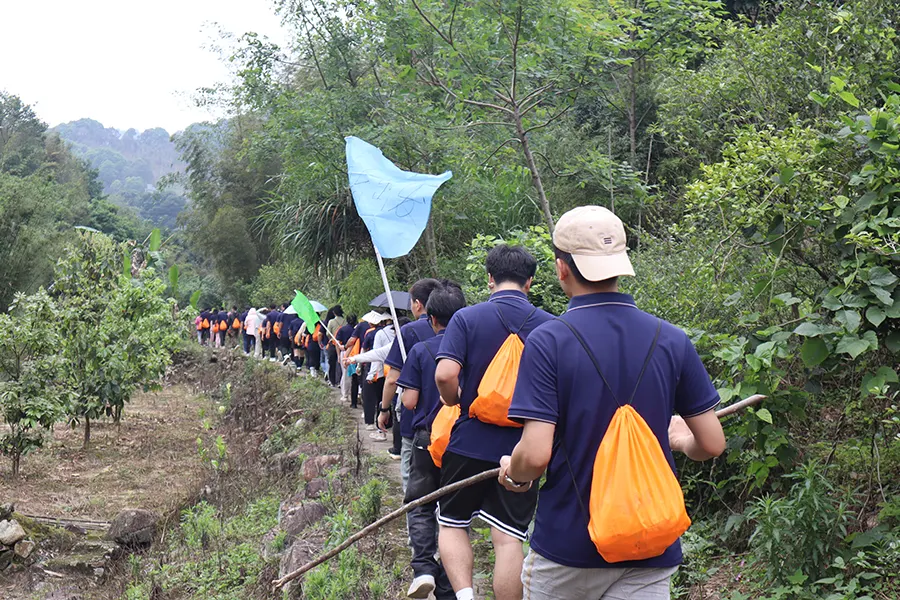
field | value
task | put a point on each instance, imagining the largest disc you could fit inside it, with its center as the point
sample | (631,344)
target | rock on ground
(24,548)
(133,527)
(300,517)
(11,532)
(316,467)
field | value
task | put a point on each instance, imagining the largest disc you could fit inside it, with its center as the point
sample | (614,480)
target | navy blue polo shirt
(344,333)
(472,338)
(272,317)
(294,326)
(418,374)
(360,332)
(368,342)
(559,384)
(287,321)
(412,333)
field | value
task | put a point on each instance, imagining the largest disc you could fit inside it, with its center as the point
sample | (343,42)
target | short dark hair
(338,311)
(352,320)
(271,307)
(401,321)
(510,263)
(576,273)
(445,301)
(422,289)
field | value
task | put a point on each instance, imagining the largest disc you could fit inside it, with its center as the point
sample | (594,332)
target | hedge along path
(491,474)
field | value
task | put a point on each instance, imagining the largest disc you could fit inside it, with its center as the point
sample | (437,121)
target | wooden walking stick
(492,474)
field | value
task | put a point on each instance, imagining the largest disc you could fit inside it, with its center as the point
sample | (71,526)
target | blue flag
(394,204)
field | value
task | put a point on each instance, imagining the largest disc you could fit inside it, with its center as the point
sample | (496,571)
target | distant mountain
(130,164)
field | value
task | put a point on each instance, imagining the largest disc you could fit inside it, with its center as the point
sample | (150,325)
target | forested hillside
(45,192)
(752,150)
(130,165)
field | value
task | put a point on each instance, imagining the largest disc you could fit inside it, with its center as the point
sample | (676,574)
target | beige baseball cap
(595,237)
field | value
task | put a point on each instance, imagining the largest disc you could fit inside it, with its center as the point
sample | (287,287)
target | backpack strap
(521,327)
(597,364)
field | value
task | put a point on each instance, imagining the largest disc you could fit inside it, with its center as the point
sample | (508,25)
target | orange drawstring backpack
(636,503)
(236,324)
(205,324)
(496,388)
(440,432)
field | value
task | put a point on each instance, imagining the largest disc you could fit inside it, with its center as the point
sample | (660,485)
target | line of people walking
(589,401)
(593,403)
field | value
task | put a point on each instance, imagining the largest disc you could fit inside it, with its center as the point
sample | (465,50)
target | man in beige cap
(575,372)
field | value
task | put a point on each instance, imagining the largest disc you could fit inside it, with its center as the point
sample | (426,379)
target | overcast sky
(122,62)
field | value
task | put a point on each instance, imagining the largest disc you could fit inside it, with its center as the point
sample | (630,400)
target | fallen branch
(492,474)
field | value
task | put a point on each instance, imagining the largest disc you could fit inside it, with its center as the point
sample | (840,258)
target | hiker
(245,339)
(235,324)
(296,329)
(343,336)
(354,346)
(417,331)
(251,328)
(422,401)
(376,345)
(198,323)
(569,387)
(334,325)
(271,332)
(206,325)
(286,334)
(222,319)
(471,341)
(313,349)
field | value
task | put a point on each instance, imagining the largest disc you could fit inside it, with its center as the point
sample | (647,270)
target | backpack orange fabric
(440,432)
(636,503)
(277,328)
(496,388)
(236,324)
(298,337)
(205,324)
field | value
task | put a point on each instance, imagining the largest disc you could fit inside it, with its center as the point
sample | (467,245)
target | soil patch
(149,461)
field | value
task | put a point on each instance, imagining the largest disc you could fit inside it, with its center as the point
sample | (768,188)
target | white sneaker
(370,427)
(378,436)
(273,360)
(421,587)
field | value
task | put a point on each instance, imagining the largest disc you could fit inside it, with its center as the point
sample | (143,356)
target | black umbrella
(401,301)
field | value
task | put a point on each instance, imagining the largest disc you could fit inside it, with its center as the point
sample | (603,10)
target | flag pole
(387,291)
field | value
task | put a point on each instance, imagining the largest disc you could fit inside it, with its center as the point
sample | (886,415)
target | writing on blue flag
(393,203)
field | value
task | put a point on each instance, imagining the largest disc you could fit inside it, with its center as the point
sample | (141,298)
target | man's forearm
(449,391)
(387,396)
(523,467)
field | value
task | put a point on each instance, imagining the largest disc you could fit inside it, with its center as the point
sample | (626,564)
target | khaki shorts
(544,579)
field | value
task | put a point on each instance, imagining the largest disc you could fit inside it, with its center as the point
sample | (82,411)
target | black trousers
(425,478)
(334,367)
(372,399)
(354,391)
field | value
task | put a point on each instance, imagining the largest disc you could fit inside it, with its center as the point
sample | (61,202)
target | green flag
(305,311)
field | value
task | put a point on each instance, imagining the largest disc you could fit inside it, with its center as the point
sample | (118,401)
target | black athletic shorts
(509,512)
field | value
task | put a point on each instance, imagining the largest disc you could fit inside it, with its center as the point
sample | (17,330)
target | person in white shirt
(384,338)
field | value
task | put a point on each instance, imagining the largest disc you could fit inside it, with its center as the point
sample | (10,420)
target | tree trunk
(16,458)
(431,247)
(632,113)
(535,173)
(87,433)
